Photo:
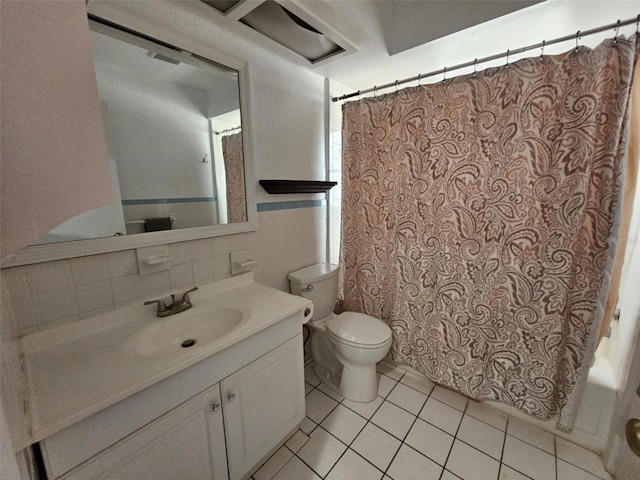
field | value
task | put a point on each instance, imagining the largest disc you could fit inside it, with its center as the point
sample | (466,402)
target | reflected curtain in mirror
(234,171)
(477,219)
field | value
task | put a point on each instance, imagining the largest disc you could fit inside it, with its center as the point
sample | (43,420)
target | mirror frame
(79,248)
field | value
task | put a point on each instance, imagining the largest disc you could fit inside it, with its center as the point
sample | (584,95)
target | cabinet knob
(231,397)
(215,406)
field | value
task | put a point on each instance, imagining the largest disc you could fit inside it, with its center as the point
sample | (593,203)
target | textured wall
(54,159)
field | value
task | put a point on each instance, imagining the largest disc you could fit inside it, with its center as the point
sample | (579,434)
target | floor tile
(442,416)
(471,464)
(344,424)
(272,466)
(485,412)
(297,441)
(430,441)
(508,473)
(322,451)
(333,394)
(307,426)
(580,457)
(310,376)
(407,398)
(393,419)
(410,464)
(385,385)
(352,466)
(364,409)
(295,468)
(481,436)
(528,459)
(532,435)
(451,398)
(319,405)
(566,471)
(389,370)
(447,475)
(376,445)
(418,382)
(307,388)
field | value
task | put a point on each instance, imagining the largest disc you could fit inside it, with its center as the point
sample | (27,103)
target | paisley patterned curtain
(234,172)
(476,219)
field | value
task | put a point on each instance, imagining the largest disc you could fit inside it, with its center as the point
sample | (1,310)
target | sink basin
(186,331)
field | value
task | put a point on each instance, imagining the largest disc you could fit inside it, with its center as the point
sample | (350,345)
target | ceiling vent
(223,6)
(279,24)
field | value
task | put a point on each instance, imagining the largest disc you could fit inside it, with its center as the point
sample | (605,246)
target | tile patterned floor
(417,430)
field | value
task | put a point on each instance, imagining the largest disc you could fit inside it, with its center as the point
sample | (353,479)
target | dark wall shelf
(296,186)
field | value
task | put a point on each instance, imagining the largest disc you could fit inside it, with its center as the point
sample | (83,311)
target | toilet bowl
(345,347)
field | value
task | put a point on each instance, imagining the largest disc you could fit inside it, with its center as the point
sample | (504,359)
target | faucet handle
(162,307)
(185,296)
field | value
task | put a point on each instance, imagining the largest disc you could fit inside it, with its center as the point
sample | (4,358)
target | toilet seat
(359,330)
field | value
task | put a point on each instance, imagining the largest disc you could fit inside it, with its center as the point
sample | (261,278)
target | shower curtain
(234,172)
(476,222)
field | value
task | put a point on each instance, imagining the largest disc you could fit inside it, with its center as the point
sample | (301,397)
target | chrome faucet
(177,306)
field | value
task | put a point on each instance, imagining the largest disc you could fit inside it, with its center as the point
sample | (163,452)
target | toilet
(345,347)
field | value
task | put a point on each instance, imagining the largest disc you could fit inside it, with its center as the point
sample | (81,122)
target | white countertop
(78,369)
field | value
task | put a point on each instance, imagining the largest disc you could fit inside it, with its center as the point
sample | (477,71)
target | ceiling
(380,41)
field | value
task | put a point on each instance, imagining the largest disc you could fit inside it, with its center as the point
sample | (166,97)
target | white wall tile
(221,266)
(238,243)
(201,249)
(156,283)
(220,246)
(57,305)
(180,253)
(122,263)
(17,289)
(181,275)
(127,288)
(203,270)
(50,276)
(89,269)
(94,296)
(279,247)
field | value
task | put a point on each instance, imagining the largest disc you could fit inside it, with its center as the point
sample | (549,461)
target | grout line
(455,437)
(402,441)
(555,454)
(504,443)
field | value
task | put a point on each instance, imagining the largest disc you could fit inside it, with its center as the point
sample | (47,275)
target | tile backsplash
(48,294)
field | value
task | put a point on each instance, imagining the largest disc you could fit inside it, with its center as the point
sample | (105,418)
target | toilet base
(360,384)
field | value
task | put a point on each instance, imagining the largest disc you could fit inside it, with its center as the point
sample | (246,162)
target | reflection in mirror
(174,139)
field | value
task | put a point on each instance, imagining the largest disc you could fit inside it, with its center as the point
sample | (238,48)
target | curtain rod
(517,51)
(229,130)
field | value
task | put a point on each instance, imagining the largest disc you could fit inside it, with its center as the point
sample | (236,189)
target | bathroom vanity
(118,397)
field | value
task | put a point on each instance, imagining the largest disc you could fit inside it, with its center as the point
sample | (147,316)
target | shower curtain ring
(615,39)
(544,42)
(444,74)
(419,77)
(507,64)
(475,63)
(577,38)
(396,84)
(375,90)
(637,25)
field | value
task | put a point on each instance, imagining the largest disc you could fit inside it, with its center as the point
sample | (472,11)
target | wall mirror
(177,139)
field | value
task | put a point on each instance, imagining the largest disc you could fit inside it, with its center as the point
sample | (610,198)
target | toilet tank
(318,283)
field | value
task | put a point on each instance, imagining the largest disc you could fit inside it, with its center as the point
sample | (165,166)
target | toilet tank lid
(359,328)
(313,273)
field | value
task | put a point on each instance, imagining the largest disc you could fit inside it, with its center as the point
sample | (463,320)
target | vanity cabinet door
(185,443)
(263,402)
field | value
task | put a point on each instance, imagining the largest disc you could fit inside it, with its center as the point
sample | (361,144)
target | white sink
(186,331)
